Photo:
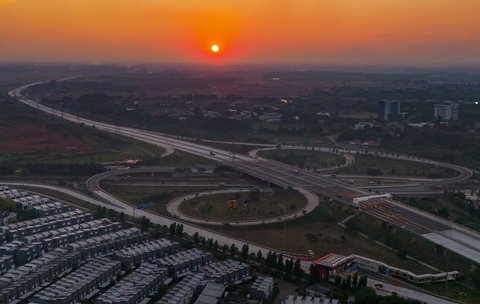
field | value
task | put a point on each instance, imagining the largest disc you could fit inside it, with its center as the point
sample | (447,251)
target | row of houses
(185,291)
(136,286)
(107,243)
(80,284)
(22,281)
(185,261)
(33,246)
(227,272)
(145,252)
(18,230)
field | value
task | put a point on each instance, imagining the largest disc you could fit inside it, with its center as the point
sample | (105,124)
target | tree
(26,215)
(312,272)
(145,223)
(196,239)
(215,246)
(338,281)
(269,260)
(297,268)
(348,282)
(245,251)
(280,264)
(476,276)
(288,267)
(173,229)
(233,250)
(259,256)
(362,282)
(179,230)
(355,280)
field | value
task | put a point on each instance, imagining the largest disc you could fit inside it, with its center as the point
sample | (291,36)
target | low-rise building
(6,263)
(146,252)
(293,299)
(262,288)
(211,114)
(185,261)
(22,280)
(185,291)
(213,293)
(80,284)
(107,243)
(136,286)
(6,217)
(227,272)
(47,223)
(362,125)
(270,117)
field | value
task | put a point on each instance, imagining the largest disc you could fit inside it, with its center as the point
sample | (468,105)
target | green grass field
(127,149)
(319,231)
(263,205)
(423,250)
(440,206)
(304,158)
(158,196)
(371,165)
(33,137)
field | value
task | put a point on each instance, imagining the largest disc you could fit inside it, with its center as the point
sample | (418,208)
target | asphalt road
(288,176)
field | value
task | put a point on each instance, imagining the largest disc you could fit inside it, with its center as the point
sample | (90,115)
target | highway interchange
(455,237)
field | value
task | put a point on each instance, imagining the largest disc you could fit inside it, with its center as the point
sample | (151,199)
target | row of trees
(63,169)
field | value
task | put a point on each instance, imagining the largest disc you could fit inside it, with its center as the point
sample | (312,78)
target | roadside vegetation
(320,232)
(451,205)
(383,166)
(406,244)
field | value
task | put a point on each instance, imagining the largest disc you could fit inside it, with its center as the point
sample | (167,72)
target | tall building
(388,109)
(447,111)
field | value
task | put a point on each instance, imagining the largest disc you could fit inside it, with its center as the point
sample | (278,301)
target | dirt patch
(29,137)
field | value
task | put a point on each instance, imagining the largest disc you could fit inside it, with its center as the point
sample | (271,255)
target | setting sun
(215,48)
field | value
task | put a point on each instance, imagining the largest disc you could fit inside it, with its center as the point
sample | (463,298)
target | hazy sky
(248,31)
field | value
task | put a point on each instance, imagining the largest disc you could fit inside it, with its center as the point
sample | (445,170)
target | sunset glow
(376,31)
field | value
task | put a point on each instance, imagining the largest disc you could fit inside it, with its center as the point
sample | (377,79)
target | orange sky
(249,31)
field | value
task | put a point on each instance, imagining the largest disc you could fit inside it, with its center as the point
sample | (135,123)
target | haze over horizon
(248,32)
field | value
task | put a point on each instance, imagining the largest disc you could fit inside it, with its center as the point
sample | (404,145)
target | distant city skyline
(441,32)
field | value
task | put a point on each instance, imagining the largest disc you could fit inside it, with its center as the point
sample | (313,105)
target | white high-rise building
(447,111)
